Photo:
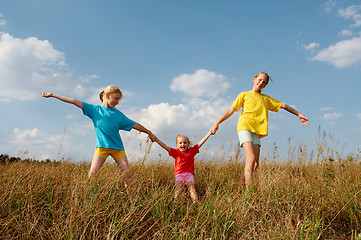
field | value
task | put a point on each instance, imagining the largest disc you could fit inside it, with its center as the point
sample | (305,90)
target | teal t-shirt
(107,123)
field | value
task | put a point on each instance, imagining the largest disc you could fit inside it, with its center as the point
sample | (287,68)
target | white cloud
(2,21)
(358,116)
(43,146)
(351,12)
(83,128)
(311,46)
(36,140)
(193,118)
(331,116)
(329,5)
(345,33)
(343,54)
(34,136)
(201,83)
(325,109)
(29,66)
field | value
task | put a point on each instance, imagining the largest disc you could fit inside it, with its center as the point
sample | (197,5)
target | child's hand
(214,129)
(47,95)
(304,120)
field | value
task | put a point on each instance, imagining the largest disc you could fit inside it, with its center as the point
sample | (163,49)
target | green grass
(301,200)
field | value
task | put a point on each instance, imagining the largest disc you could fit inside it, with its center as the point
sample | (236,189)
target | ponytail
(110,89)
(101,95)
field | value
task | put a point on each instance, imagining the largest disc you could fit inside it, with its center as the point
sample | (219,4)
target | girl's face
(260,82)
(182,143)
(113,99)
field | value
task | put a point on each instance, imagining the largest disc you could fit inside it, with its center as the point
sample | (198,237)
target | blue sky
(180,65)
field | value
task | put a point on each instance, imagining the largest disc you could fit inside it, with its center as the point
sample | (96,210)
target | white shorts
(248,136)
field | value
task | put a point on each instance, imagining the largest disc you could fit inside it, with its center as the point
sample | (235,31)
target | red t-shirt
(184,161)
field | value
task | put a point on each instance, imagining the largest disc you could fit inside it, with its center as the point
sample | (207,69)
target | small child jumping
(107,121)
(184,163)
(253,122)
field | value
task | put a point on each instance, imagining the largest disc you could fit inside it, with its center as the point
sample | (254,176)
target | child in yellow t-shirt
(253,122)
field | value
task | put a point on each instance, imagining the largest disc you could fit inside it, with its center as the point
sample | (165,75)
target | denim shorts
(247,136)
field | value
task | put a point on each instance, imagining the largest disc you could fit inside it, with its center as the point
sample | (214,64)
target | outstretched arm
(224,117)
(201,142)
(76,102)
(302,118)
(140,128)
(162,144)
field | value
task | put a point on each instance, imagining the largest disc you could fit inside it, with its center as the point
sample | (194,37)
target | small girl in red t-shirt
(184,163)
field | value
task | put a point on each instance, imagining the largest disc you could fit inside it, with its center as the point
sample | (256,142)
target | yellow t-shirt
(254,115)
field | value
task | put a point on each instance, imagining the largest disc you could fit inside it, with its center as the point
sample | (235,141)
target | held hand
(304,120)
(47,95)
(214,129)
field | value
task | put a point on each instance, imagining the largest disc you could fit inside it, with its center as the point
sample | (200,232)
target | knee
(178,185)
(127,175)
(91,172)
(191,184)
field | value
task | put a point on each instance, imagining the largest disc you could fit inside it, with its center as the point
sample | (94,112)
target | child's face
(260,81)
(182,143)
(113,99)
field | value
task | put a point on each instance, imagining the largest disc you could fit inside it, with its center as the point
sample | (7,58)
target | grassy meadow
(289,200)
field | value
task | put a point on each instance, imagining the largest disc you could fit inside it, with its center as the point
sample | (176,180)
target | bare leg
(96,164)
(178,189)
(192,191)
(252,161)
(124,165)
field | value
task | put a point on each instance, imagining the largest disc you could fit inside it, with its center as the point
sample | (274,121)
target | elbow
(231,111)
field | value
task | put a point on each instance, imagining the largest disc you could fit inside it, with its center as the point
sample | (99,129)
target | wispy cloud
(2,21)
(323,109)
(345,33)
(311,46)
(351,12)
(342,54)
(329,5)
(358,115)
(331,116)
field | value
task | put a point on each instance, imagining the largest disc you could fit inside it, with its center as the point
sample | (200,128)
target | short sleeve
(238,103)
(195,149)
(173,152)
(88,109)
(273,104)
(125,123)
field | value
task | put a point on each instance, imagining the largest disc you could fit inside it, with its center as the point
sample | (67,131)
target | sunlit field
(298,199)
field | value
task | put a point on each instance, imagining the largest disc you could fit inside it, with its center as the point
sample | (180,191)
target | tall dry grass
(299,200)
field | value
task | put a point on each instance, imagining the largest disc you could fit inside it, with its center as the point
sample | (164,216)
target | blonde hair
(266,74)
(178,136)
(110,89)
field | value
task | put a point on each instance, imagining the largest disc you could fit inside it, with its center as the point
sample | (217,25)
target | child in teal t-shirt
(107,121)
